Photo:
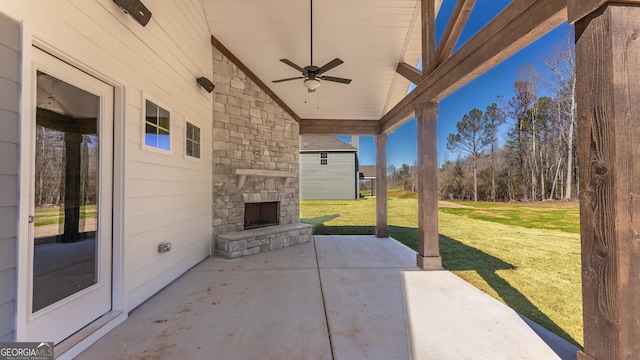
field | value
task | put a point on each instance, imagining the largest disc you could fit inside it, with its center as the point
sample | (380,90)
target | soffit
(370,36)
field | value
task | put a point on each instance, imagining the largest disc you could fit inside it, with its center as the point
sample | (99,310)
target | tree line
(50,168)
(534,159)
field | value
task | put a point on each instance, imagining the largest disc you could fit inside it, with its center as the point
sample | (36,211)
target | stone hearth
(254,241)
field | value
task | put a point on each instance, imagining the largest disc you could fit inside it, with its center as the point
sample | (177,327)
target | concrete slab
(366,251)
(450,319)
(301,256)
(362,287)
(366,300)
(366,314)
(229,309)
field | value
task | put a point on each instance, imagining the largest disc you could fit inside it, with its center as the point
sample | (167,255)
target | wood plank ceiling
(371,36)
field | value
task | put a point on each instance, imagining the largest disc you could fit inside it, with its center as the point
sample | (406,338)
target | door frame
(119,302)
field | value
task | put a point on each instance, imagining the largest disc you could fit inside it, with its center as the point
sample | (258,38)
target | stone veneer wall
(250,131)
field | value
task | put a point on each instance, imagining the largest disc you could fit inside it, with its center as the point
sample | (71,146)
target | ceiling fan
(313,74)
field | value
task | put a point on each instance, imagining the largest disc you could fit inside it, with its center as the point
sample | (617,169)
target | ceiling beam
(428,21)
(409,72)
(452,32)
(229,55)
(339,127)
(518,25)
(67,124)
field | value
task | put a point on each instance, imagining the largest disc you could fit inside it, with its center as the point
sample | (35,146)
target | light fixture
(205,83)
(136,9)
(311,84)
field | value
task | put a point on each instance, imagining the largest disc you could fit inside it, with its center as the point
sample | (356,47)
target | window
(157,126)
(323,158)
(193,141)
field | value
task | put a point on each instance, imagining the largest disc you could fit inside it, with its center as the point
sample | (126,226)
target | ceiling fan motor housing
(311,73)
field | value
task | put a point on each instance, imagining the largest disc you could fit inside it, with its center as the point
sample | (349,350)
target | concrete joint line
(324,303)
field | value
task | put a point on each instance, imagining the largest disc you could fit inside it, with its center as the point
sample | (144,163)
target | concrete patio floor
(338,297)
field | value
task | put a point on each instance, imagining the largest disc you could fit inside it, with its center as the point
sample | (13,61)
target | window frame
(195,124)
(324,158)
(160,105)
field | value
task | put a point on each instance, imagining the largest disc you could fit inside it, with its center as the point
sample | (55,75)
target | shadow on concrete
(456,256)
(319,228)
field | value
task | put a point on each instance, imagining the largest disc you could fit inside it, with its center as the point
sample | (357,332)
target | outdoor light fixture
(311,84)
(136,9)
(205,83)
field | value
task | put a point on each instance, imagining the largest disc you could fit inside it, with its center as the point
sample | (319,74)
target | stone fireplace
(255,160)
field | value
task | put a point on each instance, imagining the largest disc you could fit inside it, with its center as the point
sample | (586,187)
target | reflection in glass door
(66,183)
(71,192)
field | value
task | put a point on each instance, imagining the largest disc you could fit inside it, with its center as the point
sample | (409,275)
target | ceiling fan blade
(292,64)
(336,79)
(288,79)
(330,65)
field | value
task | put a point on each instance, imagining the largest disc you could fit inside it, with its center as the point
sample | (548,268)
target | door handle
(32,219)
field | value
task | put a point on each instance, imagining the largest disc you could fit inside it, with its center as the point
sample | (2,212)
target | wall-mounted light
(206,83)
(136,9)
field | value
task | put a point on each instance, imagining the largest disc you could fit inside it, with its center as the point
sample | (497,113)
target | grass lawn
(527,256)
(55,214)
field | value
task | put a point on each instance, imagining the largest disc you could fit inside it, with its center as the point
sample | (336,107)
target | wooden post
(382,229)
(428,240)
(72,191)
(608,99)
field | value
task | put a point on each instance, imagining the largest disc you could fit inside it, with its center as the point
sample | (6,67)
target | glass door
(70,277)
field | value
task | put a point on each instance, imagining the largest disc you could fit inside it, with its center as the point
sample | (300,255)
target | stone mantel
(243,173)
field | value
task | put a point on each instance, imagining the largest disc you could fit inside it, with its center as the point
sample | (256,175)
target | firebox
(261,214)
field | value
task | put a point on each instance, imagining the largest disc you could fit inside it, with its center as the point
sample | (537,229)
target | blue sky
(402,146)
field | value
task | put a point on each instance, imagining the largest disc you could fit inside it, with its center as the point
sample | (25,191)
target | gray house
(328,168)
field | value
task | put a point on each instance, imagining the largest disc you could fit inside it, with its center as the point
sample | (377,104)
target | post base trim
(429,262)
(583,356)
(382,233)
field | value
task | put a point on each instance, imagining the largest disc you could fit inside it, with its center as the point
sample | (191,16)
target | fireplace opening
(261,214)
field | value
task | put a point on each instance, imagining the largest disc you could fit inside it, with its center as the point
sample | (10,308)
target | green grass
(527,256)
(55,215)
(565,218)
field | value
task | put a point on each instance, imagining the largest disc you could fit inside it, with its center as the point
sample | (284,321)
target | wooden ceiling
(371,36)
(381,44)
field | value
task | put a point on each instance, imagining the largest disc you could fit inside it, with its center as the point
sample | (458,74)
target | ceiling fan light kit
(311,84)
(311,74)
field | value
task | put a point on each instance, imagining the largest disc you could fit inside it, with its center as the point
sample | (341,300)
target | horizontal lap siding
(9,140)
(167,197)
(333,181)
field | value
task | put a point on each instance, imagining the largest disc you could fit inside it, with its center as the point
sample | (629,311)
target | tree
(471,139)
(391,175)
(494,118)
(404,175)
(562,82)
(452,180)
(519,107)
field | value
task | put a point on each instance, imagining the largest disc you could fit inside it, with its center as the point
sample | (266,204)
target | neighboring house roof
(314,143)
(368,171)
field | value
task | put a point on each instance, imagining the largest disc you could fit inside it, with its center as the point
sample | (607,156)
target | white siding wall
(333,181)
(9,84)
(167,197)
